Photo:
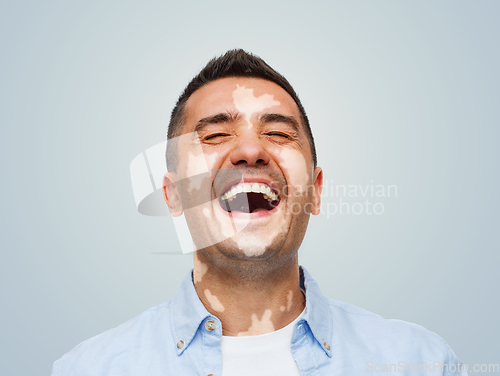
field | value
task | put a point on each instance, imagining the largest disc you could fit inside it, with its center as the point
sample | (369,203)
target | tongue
(259,210)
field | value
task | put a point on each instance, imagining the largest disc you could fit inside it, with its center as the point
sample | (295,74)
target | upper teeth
(250,187)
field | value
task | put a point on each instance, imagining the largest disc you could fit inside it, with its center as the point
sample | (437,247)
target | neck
(250,300)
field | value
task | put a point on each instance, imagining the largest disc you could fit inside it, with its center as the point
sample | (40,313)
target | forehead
(224,95)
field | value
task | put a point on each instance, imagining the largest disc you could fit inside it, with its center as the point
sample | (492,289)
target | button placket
(212,332)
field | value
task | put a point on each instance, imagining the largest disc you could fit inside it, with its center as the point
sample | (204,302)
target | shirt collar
(318,314)
(188,312)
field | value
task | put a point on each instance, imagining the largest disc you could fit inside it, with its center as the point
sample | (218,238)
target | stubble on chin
(227,260)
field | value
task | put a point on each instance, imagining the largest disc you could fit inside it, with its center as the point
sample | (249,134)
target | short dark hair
(234,63)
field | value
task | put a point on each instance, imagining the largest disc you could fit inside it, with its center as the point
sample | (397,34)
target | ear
(171,195)
(318,187)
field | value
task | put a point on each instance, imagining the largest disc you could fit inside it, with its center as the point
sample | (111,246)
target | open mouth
(249,198)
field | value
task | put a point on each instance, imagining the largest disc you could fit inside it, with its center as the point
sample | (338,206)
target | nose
(249,150)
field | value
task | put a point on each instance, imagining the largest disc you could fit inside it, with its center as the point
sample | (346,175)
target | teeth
(250,187)
(233,191)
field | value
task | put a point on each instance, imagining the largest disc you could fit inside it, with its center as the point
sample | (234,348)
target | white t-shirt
(263,355)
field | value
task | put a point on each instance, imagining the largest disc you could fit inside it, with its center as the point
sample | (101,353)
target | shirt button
(327,346)
(210,325)
(180,344)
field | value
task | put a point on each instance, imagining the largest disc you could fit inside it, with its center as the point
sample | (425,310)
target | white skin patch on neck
(288,303)
(248,104)
(199,269)
(214,301)
(262,326)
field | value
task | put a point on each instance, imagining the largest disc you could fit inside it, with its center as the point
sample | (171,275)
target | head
(234,63)
(243,165)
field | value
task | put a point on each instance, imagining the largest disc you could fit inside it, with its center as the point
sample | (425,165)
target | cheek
(196,163)
(195,158)
(190,155)
(193,166)
(212,158)
(295,168)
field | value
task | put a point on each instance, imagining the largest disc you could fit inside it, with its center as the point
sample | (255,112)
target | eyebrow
(232,117)
(223,117)
(278,118)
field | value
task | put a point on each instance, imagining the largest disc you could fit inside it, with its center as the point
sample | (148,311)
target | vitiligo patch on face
(196,165)
(295,165)
(203,219)
(248,104)
(252,245)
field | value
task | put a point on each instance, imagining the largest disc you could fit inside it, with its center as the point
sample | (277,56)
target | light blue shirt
(332,338)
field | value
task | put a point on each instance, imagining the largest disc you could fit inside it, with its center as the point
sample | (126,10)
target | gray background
(398,92)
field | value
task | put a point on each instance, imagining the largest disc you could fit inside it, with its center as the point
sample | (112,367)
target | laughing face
(246,136)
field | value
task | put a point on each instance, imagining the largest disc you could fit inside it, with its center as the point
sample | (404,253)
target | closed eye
(278,134)
(214,136)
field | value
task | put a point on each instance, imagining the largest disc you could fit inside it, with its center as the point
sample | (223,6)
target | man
(242,169)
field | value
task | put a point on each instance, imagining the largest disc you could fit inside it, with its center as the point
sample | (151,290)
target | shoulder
(388,339)
(96,354)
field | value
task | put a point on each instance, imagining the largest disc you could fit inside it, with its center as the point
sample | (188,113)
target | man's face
(246,135)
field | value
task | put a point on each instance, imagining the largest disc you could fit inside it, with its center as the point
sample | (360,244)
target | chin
(248,247)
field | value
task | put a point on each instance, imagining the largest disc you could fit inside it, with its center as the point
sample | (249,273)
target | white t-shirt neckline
(266,354)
